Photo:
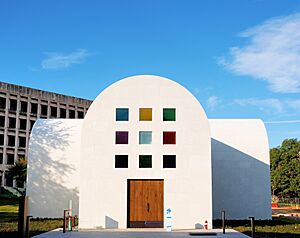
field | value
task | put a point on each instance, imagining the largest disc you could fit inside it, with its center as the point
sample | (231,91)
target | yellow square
(145,114)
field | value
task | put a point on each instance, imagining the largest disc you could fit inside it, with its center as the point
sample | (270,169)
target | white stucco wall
(53,166)
(240,168)
(221,164)
(187,189)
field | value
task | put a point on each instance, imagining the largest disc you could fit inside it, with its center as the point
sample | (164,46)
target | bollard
(223,221)
(28,226)
(70,223)
(206,225)
(23,211)
(252,227)
(74,221)
(70,216)
(65,220)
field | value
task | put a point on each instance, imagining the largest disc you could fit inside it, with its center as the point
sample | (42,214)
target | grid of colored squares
(145,137)
(145,161)
(145,114)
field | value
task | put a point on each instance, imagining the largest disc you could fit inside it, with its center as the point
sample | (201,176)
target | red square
(169,137)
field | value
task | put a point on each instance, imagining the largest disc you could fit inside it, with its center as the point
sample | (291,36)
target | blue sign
(168,223)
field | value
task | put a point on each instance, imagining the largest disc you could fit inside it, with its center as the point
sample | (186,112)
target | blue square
(122,114)
(145,137)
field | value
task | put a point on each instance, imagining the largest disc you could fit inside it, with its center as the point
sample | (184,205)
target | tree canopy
(285,169)
(18,171)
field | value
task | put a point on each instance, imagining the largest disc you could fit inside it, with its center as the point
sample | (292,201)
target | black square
(121,161)
(169,161)
(145,161)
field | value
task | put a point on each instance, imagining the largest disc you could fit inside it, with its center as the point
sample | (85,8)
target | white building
(146,147)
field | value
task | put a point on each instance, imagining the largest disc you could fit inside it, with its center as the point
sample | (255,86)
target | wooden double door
(145,208)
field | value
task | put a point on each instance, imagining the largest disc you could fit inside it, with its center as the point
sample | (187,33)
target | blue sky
(240,58)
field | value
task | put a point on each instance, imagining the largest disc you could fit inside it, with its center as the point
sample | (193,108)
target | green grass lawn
(8,209)
(9,219)
(276,228)
(9,229)
(279,231)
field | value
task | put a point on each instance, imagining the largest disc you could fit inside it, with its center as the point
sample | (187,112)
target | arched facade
(146,155)
(104,190)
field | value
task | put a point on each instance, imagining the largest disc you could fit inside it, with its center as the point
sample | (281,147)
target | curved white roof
(220,163)
(190,178)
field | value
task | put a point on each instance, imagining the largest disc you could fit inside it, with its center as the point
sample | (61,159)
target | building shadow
(240,184)
(111,223)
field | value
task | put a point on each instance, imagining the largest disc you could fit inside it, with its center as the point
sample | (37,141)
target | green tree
(285,169)
(18,171)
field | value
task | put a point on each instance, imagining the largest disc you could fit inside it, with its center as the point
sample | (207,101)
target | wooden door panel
(145,203)
(137,213)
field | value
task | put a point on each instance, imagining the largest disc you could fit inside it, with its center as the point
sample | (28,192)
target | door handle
(148,207)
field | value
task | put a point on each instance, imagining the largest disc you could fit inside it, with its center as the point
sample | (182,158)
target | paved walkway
(138,233)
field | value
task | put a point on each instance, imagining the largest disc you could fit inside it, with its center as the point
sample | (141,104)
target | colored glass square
(121,137)
(169,137)
(121,161)
(145,137)
(145,114)
(145,161)
(169,161)
(169,114)
(122,114)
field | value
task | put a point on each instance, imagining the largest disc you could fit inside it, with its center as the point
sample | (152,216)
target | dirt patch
(290,212)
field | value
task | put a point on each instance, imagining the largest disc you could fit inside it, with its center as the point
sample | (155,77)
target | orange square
(145,114)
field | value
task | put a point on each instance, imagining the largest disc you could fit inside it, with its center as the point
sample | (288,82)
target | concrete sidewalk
(138,233)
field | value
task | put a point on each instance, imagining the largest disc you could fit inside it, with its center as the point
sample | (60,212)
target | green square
(169,114)
(145,161)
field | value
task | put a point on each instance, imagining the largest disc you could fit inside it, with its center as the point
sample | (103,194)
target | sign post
(70,216)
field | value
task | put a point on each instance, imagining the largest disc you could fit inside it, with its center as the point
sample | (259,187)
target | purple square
(121,137)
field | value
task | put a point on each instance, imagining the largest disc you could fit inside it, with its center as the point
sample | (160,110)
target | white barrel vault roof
(187,188)
(221,164)
(240,168)
(53,166)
